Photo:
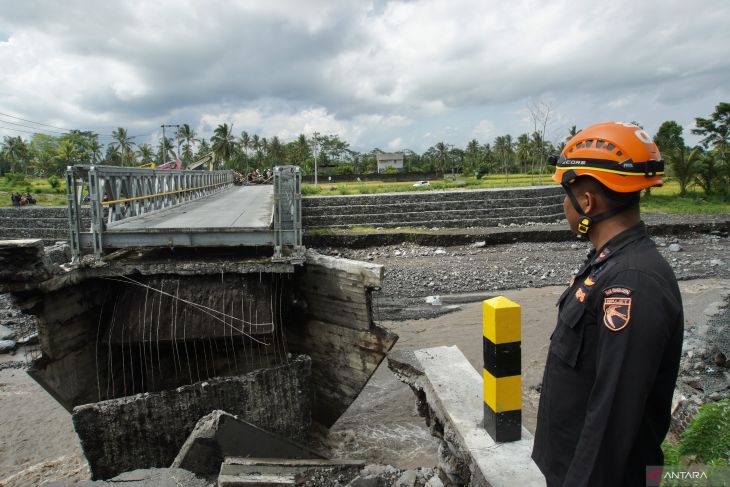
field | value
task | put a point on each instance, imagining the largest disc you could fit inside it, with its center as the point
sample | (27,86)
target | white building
(390,159)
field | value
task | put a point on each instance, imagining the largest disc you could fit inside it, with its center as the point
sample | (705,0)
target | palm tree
(146,153)
(301,152)
(165,149)
(223,143)
(264,152)
(572,133)
(276,151)
(124,143)
(188,137)
(94,148)
(523,151)
(17,152)
(67,154)
(256,144)
(113,156)
(245,142)
(472,158)
(442,155)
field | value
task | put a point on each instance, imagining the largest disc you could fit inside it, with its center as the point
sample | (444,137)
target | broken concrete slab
(450,396)
(22,261)
(152,477)
(147,430)
(219,435)
(237,472)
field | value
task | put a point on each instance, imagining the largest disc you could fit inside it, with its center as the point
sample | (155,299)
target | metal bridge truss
(117,194)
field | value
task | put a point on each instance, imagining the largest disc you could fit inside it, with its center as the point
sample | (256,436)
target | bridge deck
(238,208)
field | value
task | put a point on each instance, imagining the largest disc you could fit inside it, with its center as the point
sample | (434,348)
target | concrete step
(462,223)
(39,211)
(426,196)
(432,205)
(47,234)
(405,218)
(240,472)
(258,480)
(59,223)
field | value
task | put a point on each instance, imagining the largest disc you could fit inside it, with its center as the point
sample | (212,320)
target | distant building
(390,159)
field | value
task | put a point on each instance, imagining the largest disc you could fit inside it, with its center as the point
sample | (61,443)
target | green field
(39,188)
(374,187)
(662,200)
(665,199)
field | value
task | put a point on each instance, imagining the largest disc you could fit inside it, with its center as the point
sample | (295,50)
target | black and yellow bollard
(502,335)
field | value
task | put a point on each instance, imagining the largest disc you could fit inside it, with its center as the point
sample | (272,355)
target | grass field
(39,188)
(374,187)
(665,199)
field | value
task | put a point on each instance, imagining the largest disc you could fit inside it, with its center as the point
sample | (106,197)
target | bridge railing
(120,193)
(288,214)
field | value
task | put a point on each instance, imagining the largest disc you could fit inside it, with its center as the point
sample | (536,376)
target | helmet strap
(585,222)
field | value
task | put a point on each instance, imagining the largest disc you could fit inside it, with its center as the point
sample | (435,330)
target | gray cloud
(347,66)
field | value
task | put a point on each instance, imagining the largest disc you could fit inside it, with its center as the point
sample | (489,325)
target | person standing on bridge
(614,355)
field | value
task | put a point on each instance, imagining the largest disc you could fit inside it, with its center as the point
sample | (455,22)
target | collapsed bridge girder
(155,322)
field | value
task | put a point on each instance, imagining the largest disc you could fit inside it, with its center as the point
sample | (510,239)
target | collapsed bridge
(141,341)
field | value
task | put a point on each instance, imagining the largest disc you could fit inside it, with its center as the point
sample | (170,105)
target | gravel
(414,271)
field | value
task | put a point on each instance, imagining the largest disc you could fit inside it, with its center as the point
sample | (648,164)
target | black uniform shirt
(611,368)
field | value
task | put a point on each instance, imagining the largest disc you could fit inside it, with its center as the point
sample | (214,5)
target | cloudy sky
(388,74)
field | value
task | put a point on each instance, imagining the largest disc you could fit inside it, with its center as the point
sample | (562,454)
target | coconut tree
(145,153)
(95,148)
(165,150)
(245,143)
(276,151)
(125,143)
(113,155)
(443,155)
(256,144)
(223,143)
(188,137)
(67,154)
(17,152)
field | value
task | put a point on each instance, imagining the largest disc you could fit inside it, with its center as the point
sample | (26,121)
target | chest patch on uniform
(589,282)
(580,295)
(616,313)
(617,307)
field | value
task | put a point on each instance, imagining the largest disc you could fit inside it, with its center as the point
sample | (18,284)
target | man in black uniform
(614,355)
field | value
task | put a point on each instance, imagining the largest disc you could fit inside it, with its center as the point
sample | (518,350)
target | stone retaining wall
(49,223)
(464,208)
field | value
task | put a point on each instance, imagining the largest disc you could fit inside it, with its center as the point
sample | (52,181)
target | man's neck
(607,229)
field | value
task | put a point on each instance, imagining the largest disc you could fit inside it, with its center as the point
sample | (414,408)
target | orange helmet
(621,156)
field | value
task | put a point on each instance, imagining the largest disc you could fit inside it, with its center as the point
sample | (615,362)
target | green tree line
(705,165)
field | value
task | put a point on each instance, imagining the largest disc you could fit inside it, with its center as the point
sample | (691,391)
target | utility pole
(316,146)
(164,147)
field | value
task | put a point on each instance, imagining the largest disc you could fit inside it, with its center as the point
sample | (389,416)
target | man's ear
(587,201)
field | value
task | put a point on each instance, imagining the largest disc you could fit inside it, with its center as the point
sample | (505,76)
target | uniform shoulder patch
(617,307)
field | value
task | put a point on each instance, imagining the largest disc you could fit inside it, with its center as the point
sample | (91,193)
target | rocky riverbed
(414,273)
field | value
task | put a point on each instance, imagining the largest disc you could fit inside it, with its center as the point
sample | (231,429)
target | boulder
(7,346)
(6,333)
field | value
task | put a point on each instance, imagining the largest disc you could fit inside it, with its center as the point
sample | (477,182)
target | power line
(35,123)
(55,127)
(18,130)
(29,127)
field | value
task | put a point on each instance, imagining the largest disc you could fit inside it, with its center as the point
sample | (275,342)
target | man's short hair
(613,198)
